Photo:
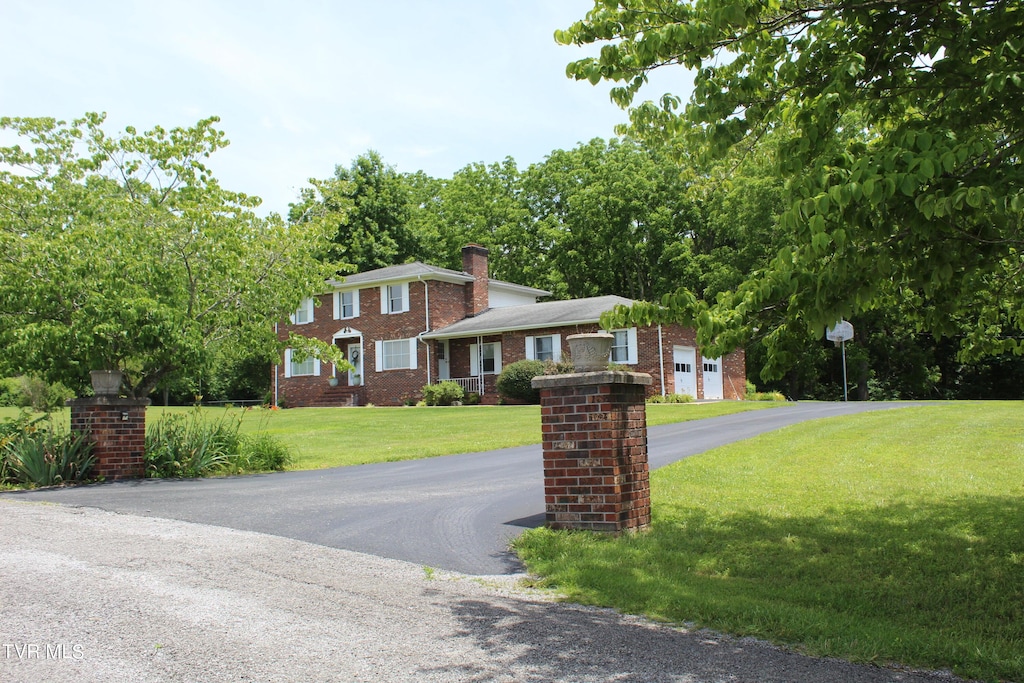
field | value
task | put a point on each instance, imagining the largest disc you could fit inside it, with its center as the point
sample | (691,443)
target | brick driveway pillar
(594,427)
(117,429)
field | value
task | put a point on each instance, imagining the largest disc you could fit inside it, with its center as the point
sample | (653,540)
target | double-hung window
(304,313)
(394,298)
(396,354)
(346,304)
(624,348)
(485,359)
(293,367)
(544,347)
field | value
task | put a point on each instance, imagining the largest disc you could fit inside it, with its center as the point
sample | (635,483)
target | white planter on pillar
(590,352)
(106,382)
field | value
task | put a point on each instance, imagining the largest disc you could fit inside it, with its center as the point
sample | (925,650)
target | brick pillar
(594,427)
(117,429)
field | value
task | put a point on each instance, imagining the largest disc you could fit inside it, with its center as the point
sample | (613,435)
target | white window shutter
(531,349)
(384,299)
(316,367)
(405,297)
(497,358)
(337,305)
(556,347)
(355,303)
(632,351)
(474,360)
(287,363)
(412,354)
(378,348)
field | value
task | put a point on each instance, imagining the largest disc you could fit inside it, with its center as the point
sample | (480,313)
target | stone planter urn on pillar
(106,382)
(590,352)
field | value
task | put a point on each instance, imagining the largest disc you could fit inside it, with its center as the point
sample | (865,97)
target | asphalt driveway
(122,583)
(457,512)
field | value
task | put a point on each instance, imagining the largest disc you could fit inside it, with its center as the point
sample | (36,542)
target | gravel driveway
(90,595)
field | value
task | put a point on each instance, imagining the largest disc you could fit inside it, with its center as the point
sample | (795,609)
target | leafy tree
(479,204)
(904,127)
(618,204)
(365,209)
(125,252)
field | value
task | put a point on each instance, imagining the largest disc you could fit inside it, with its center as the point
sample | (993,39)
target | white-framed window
(309,367)
(544,347)
(485,359)
(711,365)
(394,298)
(395,354)
(346,305)
(624,347)
(304,313)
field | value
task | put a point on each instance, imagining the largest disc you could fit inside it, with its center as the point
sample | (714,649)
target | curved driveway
(457,512)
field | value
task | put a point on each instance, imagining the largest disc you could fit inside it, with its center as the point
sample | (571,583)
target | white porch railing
(468,384)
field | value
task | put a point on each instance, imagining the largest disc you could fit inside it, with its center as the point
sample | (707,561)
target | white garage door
(712,378)
(684,359)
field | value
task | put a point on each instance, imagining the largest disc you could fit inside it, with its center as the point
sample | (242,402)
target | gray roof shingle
(531,316)
(408,271)
(403,271)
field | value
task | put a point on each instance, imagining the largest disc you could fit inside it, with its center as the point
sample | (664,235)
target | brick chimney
(474,262)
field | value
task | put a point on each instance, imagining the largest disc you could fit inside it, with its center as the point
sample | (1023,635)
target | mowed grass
(891,536)
(334,437)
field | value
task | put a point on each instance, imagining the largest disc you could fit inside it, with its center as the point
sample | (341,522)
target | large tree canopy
(124,252)
(365,210)
(898,125)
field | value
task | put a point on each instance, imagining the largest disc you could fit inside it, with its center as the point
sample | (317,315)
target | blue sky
(304,85)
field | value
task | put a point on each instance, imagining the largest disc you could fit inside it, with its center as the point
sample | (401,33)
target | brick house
(406,326)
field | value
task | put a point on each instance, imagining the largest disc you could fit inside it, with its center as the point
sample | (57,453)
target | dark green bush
(10,392)
(33,392)
(444,393)
(514,380)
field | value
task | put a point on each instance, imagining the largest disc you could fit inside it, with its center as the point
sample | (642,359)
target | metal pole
(844,370)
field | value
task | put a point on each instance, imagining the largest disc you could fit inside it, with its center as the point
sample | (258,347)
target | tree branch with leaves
(124,252)
(897,126)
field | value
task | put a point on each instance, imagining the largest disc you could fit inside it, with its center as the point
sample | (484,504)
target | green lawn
(891,536)
(332,437)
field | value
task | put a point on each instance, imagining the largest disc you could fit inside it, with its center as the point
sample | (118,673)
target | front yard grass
(333,437)
(890,536)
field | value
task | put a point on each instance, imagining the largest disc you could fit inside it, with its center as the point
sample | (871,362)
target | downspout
(661,360)
(276,368)
(426,320)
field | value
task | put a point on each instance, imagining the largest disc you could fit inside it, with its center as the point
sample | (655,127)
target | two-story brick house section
(414,324)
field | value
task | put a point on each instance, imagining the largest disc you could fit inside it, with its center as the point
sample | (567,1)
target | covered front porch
(473,363)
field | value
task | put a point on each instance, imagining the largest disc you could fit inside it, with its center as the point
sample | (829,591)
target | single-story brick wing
(406,326)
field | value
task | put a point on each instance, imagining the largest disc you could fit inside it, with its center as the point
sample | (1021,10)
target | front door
(355,357)
(712,378)
(443,370)
(684,358)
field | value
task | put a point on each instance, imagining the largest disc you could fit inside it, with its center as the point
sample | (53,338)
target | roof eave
(442,277)
(440,334)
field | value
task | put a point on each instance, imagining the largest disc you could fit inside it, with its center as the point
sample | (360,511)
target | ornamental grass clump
(35,453)
(194,445)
